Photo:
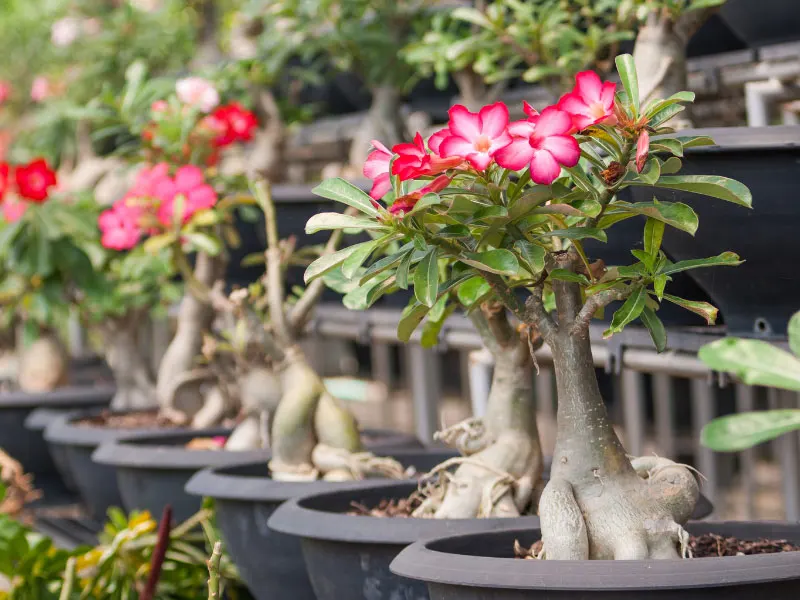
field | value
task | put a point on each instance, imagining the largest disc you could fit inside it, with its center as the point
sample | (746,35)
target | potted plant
(524,204)
(45,266)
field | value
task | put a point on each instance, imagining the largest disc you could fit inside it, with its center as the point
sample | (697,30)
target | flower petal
(607,94)
(188,177)
(588,85)
(552,122)
(522,128)
(380,186)
(435,141)
(516,156)
(464,123)
(564,148)
(544,168)
(494,119)
(456,146)
(480,160)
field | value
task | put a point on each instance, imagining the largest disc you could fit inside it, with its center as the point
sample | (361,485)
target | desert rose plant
(181,203)
(45,240)
(501,208)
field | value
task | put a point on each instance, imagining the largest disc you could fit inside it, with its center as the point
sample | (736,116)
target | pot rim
(224,483)
(64,431)
(160,451)
(70,395)
(294,517)
(742,139)
(422,561)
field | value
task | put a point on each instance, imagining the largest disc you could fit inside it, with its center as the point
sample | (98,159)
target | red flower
(235,124)
(413,160)
(476,137)
(591,102)
(642,149)
(543,142)
(377,169)
(34,180)
(5,174)
(405,203)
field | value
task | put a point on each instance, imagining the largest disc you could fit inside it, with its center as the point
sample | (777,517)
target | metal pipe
(633,410)
(664,401)
(481,363)
(425,384)
(703,410)
(745,402)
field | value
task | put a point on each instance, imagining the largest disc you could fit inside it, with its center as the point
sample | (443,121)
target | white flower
(197,92)
(65,31)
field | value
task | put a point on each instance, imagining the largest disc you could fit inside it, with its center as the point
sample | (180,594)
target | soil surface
(709,545)
(135,420)
(402,508)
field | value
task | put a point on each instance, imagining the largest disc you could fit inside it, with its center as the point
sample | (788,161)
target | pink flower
(147,179)
(120,226)
(435,141)
(591,102)
(13,209)
(377,169)
(159,106)
(403,204)
(543,142)
(65,31)
(198,93)
(476,137)
(40,89)
(5,91)
(413,160)
(189,183)
(642,149)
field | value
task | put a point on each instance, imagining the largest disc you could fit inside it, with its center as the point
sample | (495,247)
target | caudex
(492,215)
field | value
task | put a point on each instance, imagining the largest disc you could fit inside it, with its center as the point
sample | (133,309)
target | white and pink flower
(198,93)
(475,137)
(591,102)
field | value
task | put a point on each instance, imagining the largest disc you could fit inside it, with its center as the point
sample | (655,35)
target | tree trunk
(44,365)
(503,457)
(174,392)
(383,123)
(136,388)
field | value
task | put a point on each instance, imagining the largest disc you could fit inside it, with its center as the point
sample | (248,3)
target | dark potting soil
(134,420)
(709,545)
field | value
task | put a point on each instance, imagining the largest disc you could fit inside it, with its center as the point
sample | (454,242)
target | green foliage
(754,362)
(491,233)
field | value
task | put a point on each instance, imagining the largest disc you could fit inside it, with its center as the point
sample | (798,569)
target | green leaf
(205,243)
(363,296)
(411,316)
(352,263)
(704,309)
(726,259)
(655,327)
(426,278)
(659,283)
(628,312)
(567,275)
(653,234)
(472,290)
(387,262)
(436,319)
(733,433)
(671,145)
(671,166)
(498,261)
(426,201)
(754,362)
(665,114)
(402,271)
(531,254)
(709,185)
(345,192)
(794,333)
(651,171)
(323,221)
(327,262)
(695,141)
(675,214)
(630,81)
(680,97)
(578,233)
(157,243)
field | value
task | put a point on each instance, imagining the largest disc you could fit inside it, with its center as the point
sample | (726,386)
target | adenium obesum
(151,202)
(475,141)
(24,184)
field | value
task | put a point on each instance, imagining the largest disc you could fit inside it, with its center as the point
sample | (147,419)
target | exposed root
(19,488)
(43,365)
(337,464)
(468,437)
(627,517)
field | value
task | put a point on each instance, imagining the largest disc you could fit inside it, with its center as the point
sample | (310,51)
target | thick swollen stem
(136,387)
(597,505)
(504,461)
(43,365)
(383,122)
(194,317)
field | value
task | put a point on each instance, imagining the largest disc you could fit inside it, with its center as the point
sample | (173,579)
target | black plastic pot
(349,556)
(96,484)
(27,444)
(153,469)
(245,496)
(482,567)
(759,296)
(764,21)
